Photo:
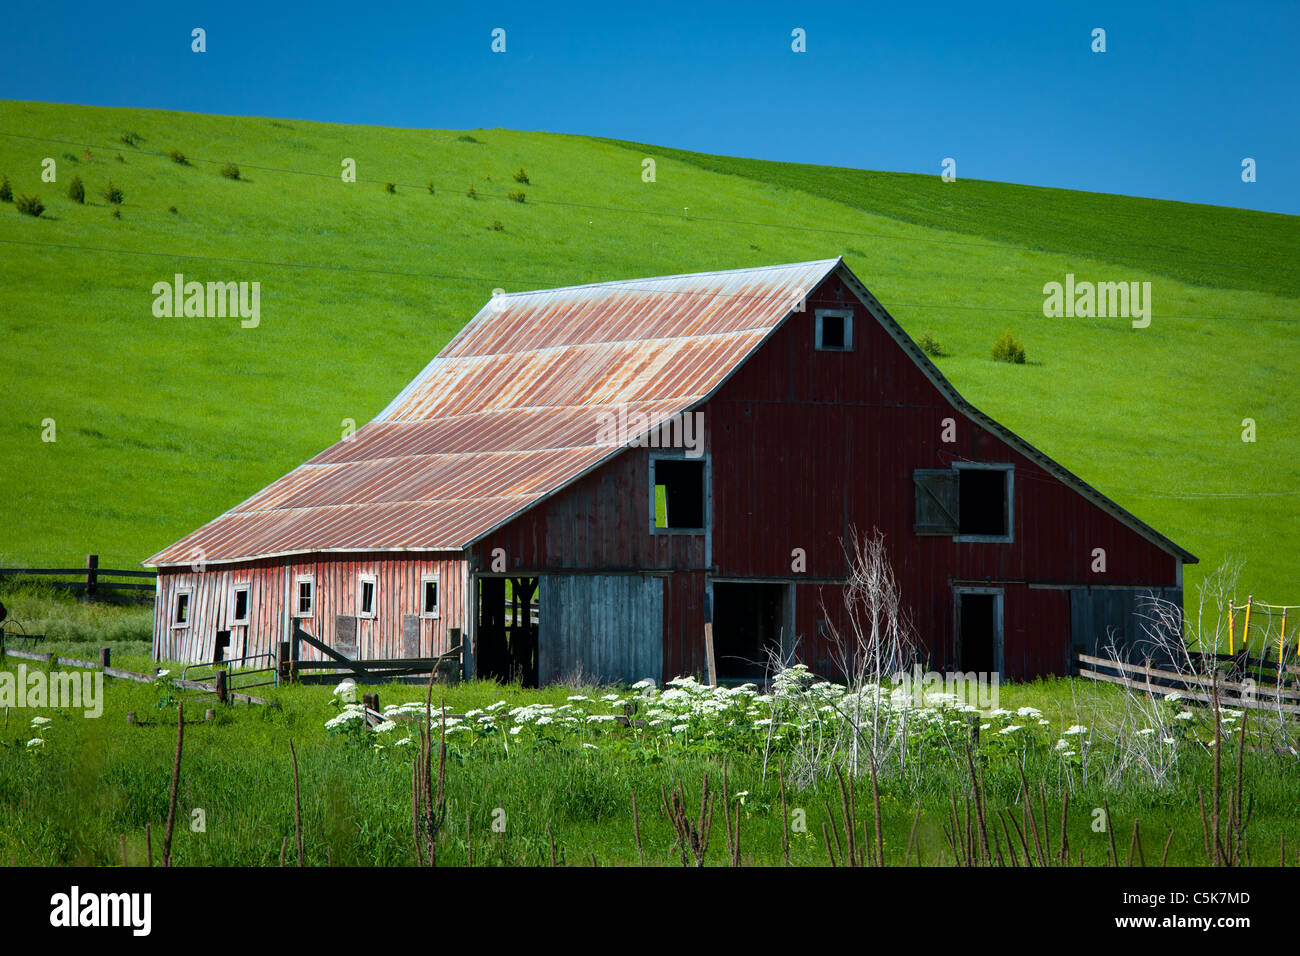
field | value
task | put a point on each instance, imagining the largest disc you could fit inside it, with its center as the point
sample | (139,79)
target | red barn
(584,474)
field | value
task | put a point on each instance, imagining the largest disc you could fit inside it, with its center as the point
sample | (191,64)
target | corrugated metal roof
(509,412)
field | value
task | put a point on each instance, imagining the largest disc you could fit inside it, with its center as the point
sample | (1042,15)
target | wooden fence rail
(92,576)
(1197,687)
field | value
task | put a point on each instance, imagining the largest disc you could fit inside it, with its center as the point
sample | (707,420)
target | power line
(784,226)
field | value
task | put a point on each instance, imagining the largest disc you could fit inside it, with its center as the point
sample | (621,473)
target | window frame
(235,620)
(362,581)
(426,614)
(188,594)
(847,316)
(298,613)
(1008,502)
(707,493)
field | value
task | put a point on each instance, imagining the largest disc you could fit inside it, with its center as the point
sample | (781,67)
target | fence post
(105,658)
(223,689)
(92,578)
(285,673)
(454,639)
(370,702)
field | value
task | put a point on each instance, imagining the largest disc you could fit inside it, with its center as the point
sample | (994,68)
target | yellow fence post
(1245,624)
(1231,623)
(1281,641)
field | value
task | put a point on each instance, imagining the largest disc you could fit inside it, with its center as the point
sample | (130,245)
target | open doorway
(506,641)
(749,620)
(979,630)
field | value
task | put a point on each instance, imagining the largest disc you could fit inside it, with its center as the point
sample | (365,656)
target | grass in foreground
(70,800)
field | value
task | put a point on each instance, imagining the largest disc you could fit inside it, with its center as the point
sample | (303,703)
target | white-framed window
(181,608)
(304,595)
(834,330)
(429,595)
(239,603)
(367,595)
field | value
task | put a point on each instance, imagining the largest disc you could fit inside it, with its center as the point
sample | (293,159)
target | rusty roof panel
(509,412)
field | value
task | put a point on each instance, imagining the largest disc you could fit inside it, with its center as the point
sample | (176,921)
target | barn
(584,476)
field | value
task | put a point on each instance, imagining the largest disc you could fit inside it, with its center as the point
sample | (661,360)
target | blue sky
(1182,94)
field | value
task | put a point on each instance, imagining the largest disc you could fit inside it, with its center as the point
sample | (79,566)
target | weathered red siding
(336,583)
(805,445)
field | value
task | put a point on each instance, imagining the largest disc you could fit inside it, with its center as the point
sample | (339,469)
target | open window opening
(429,595)
(678,485)
(221,649)
(508,617)
(971,501)
(305,597)
(985,502)
(181,610)
(239,605)
(834,330)
(979,631)
(366,585)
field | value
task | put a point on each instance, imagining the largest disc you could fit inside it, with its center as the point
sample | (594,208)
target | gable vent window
(972,501)
(834,330)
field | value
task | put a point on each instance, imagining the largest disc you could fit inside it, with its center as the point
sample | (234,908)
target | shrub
(466,139)
(131,139)
(6,191)
(117,212)
(230,171)
(1007,349)
(114,194)
(176,156)
(30,205)
(522,177)
(172,209)
(70,158)
(76,190)
(119,157)
(430,189)
(390,187)
(930,345)
(516,194)
(497,226)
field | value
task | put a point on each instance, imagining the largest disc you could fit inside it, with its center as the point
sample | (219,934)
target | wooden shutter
(938,501)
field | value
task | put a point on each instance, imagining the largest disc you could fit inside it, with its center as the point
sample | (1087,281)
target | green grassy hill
(164,423)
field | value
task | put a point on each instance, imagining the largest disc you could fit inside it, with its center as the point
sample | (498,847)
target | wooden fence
(219,688)
(91,578)
(1275,695)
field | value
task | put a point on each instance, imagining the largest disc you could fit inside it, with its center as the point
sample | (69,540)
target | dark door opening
(978,631)
(747,624)
(507,630)
(222,646)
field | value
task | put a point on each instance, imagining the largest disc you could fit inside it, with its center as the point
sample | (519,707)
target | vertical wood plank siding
(806,445)
(606,625)
(337,580)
